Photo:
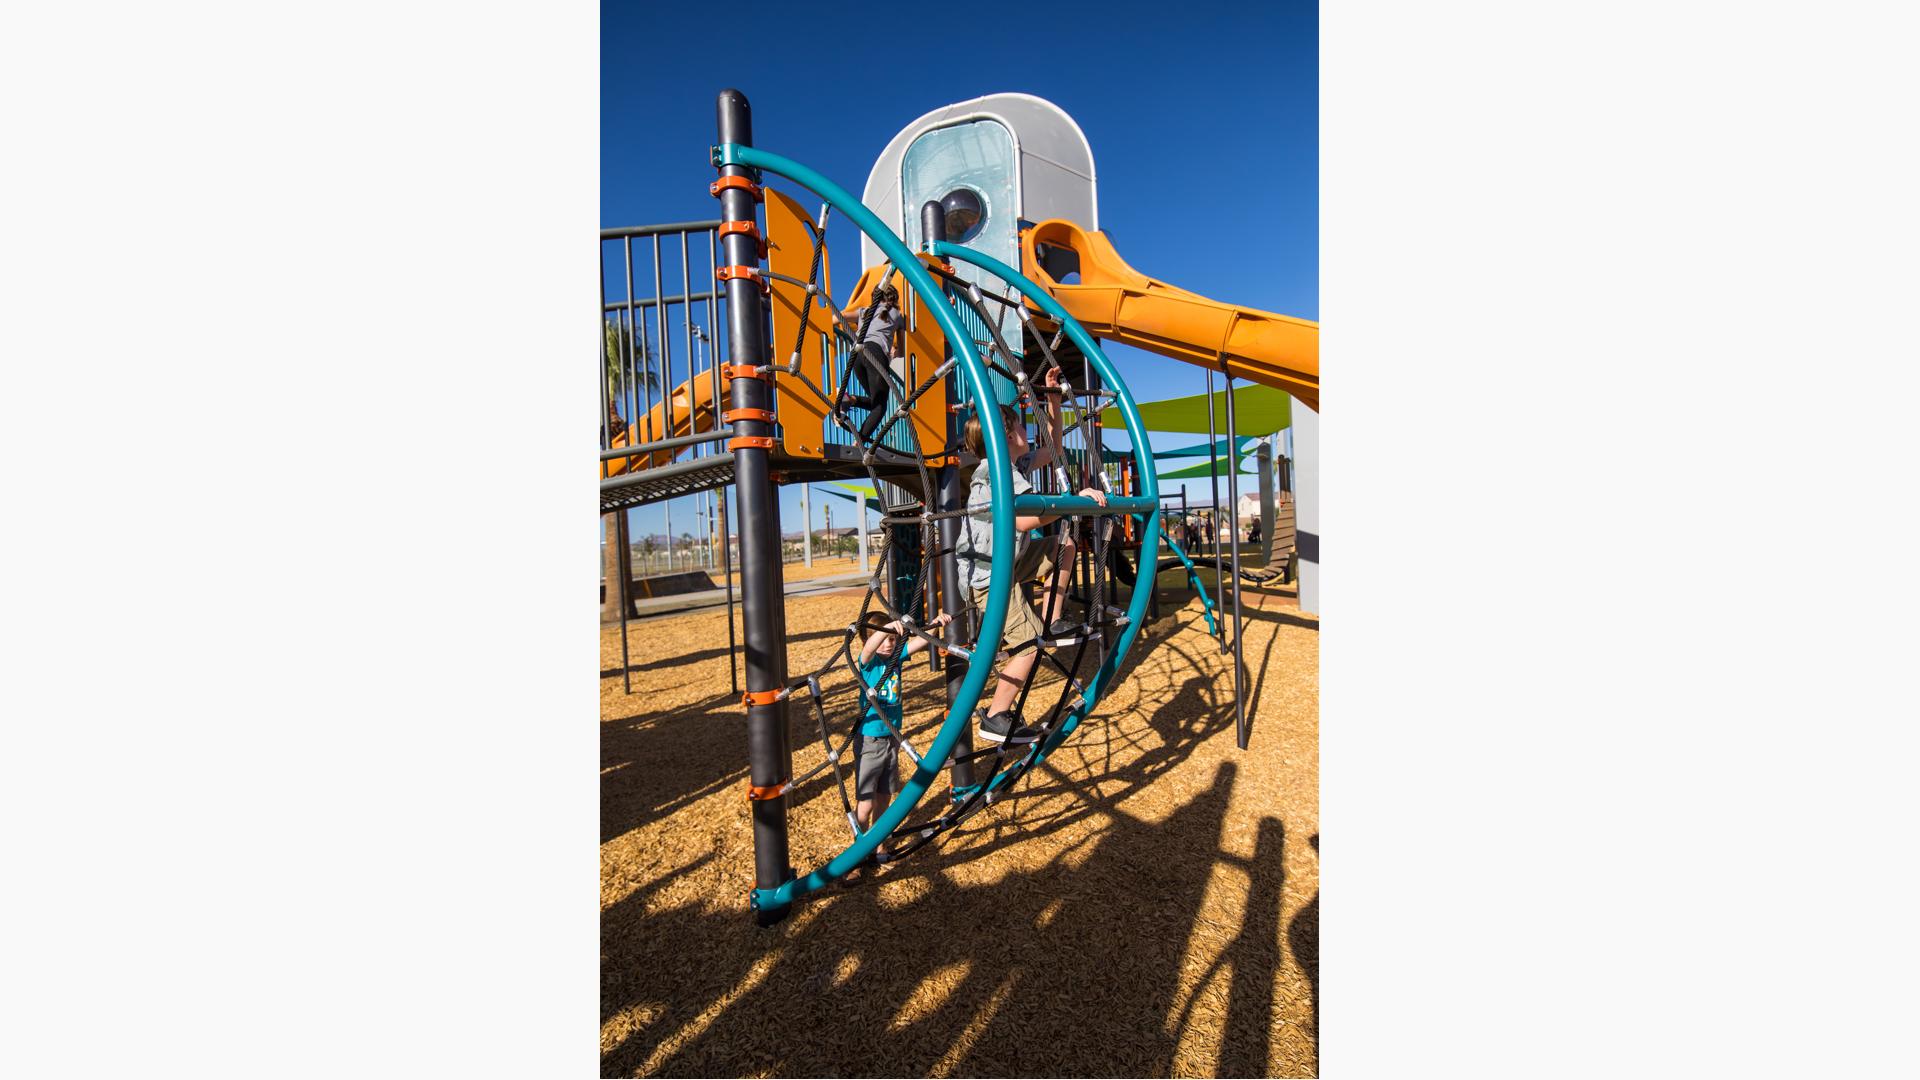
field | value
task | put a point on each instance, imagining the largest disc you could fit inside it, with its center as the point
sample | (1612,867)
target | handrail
(658,230)
(1081,506)
(1193,576)
(666,444)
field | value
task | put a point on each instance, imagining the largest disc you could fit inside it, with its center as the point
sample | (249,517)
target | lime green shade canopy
(1206,449)
(1258,409)
(1205,468)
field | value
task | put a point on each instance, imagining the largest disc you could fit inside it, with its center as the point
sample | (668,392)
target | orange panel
(803,415)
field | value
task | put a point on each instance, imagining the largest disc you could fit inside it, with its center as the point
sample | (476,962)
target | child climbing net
(873,405)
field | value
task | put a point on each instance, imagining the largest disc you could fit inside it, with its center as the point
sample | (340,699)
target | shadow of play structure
(782,400)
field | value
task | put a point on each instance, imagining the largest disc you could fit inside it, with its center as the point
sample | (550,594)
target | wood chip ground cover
(1146,906)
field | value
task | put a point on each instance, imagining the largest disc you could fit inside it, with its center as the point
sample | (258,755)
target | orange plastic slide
(691,410)
(1116,302)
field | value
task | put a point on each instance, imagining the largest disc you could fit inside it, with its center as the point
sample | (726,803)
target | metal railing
(639,366)
(659,334)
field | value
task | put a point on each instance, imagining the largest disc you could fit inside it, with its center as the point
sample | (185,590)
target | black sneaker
(1064,632)
(1005,727)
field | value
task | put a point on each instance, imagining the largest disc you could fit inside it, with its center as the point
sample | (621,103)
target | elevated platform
(695,475)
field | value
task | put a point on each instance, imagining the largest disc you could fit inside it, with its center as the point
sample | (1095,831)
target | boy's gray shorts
(877,774)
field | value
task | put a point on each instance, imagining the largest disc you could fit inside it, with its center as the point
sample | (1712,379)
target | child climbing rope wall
(877,752)
(867,371)
(1034,560)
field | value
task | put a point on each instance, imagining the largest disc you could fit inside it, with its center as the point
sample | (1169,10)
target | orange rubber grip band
(752,442)
(728,228)
(758,794)
(749,414)
(745,371)
(726,182)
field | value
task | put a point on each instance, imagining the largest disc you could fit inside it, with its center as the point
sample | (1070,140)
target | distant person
(876,771)
(1253,532)
(866,384)
(1033,558)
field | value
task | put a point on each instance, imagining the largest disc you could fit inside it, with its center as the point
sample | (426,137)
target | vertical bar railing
(641,376)
(726,539)
(632,360)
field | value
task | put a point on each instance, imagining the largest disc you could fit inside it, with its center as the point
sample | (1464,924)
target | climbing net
(874,405)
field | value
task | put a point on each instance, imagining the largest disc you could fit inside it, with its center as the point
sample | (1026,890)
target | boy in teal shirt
(876,774)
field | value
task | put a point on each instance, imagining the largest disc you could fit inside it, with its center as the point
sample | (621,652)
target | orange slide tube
(1116,302)
(691,409)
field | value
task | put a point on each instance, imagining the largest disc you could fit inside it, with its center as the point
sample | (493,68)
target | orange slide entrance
(1116,302)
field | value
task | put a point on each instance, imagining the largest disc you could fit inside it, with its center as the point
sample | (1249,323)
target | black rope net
(872,401)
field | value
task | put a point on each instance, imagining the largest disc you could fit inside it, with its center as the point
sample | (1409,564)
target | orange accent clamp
(752,442)
(749,414)
(714,189)
(758,794)
(728,228)
(761,697)
(751,273)
(745,371)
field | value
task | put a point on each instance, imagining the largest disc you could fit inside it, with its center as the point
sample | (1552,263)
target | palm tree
(617,554)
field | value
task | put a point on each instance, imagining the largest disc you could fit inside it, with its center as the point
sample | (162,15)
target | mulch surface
(1146,905)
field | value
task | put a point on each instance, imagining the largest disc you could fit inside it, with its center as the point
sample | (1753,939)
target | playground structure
(979,329)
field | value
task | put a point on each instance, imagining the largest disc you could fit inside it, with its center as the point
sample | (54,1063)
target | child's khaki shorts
(1023,622)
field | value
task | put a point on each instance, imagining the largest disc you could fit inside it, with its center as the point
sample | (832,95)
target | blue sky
(1204,130)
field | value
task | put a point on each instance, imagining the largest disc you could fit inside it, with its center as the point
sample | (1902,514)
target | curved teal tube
(1193,575)
(1142,456)
(1000,480)
(1076,506)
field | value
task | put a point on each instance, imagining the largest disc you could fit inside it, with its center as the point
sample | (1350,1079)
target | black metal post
(1265,459)
(623,562)
(769,754)
(1233,527)
(1213,478)
(1096,478)
(952,496)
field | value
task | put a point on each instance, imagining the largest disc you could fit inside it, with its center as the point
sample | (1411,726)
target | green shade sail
(1256,408)
(1205,468)
(1207,449)
(854,490)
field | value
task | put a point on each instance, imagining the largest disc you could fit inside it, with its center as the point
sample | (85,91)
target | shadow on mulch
(653,765)
(1303,937)
(1279,616)
(1072,966)
(712,654)
(1060,970)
